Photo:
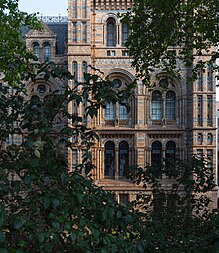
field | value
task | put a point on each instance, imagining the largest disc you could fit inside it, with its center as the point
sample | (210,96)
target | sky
(44,7)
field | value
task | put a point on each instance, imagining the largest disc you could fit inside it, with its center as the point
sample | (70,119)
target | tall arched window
(156,153)
(123,158)
(123,112)
(75,70)
(109,159)
(47,52)
(209,138)
(199,138)
(84,68)
(210,77)
(170,150)
(170,108)
(156,106)
(125,33)
(84,8)
(111,32)
(170,155)
(200,79)
(110,111)
(36,50)
(35,98)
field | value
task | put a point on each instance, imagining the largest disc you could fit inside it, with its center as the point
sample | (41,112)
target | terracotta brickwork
(96,37)
(140,130)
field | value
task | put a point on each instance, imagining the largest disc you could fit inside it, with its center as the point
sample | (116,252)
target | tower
(175,119)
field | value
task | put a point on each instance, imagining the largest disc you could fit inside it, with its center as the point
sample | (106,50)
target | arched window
(36,50)
(123,158)
(200,139)
(200,79)
(170,108)
(84,68)
(35,98)
(170,150)
(210,77)
(156,153)
(156,106)
(75,70)
(170,155)
(84,32)
(111,33)
(109,159)
(84,8)
(123,112)
(110,111)
(209,138)
(125,33)
(47,52)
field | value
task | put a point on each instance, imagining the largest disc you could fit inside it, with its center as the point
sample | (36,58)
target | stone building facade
(174,119)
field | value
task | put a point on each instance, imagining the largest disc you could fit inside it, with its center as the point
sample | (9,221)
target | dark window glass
(200,79)
(170,105)
(156,106)
(200,110)
(109,159)
(170,152)
(84,68)
(156,153)
(111,33)
(209,139)
(210,77)
(110,111)
(164,83)
(125,33)
(117,83)
(210,111)
(75,70)
(123,199)
(200,138)
(123,158)
(123,113)
(47,52)
(41,88)
(36,49)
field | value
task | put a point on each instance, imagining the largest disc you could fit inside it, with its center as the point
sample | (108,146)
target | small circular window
(41,88)
(164,83)
(117,83)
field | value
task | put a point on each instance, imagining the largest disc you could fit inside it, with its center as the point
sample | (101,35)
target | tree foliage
(44,207)
(164,34)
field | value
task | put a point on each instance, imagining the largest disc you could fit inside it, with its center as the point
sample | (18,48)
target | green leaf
(2,237)
(73,237)
(40,237)
(55,202)
(47,202)
(119,214)
(48,247)
(3,250)
(18,223)
(19,251)
(128,219)
(37,153)
(56,225)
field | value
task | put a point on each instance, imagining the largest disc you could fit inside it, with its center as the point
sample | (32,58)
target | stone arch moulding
(53,84)
(155,77)
(120,72)
(110,15)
